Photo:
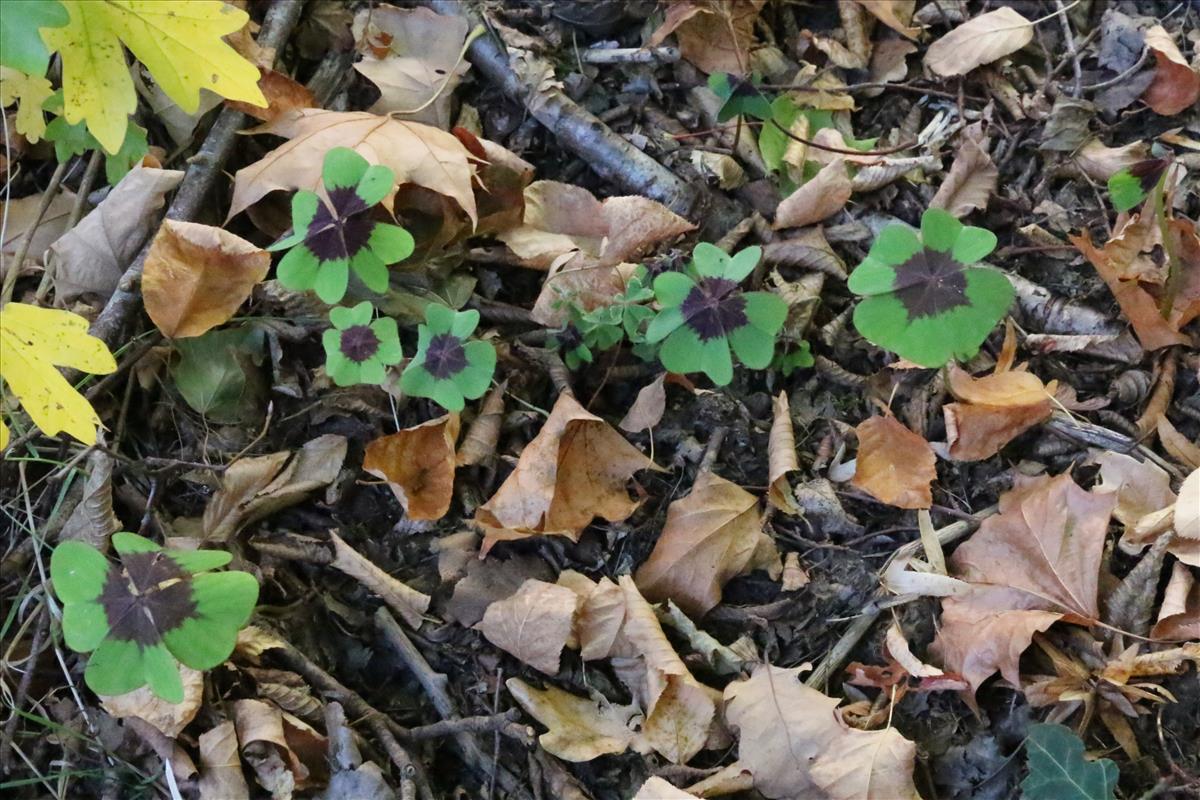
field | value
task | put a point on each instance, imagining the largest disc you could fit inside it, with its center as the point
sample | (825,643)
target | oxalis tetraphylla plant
(705,314)
(447,368)
(143,616)
(925,298)
(358,350)
(331,238)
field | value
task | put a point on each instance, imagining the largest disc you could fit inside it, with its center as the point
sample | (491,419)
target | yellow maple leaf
(179,42)
(34,342)
(29,91)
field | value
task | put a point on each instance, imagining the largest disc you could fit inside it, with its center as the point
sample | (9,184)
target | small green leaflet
(1058,770)
(740,97)
(74,140)
(21,46)
(1128,188)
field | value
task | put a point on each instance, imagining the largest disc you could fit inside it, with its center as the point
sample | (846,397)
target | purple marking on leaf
(146,597)
(445,357)
(1148,172)
(568,338)
(359,343)
(342,231)
(930,283)
(714,308)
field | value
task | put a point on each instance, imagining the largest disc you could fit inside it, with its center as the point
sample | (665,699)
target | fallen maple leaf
(978,41)
(533,624)
(574,470)
(894,465)
(1035,562)
(197,276)
(416,153)
(579,729)
(969,183)
(1176,86)
(418,465)
(781,457)
(714,36)
(821,196)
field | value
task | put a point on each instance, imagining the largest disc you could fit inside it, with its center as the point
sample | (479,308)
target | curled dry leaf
(709,537)
(418,465)
(416,153)
(532,624)
(1179,615)
(197,276)
(1141,487)
(93,520)
(712,36)
(648,407)
(1100,163)
(781,457)
(168,718)
(821,197)
(894,465)
(897,647)
(286,753)
(982,40)
(479,442)
(253,488)
(601,613)
(283,94)
(22,215)
(580,729)
(573,471)
(896,14)
(1176,86)
(400,597)
(221,775)
(1031,564)
(1178,445)
(970,182)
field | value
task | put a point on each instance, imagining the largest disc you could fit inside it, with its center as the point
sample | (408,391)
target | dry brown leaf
(979,41)
(1187,508)
(400,597)
(895,465)
(253,488)
(21,215)
(896,14)
(93,520)
(1141,487)
(91,258)
(889,62)
(781,457)
(197,276)
(1178,445)
(286,753)
(479,442)
(709,537)
(1100,163)
(418,465)
(601,613)
(1176,86)
(658,789)
(970,182)
(533,624)
(1179,614)
(713,35)
(573,471)
(283,94)
(821,197)
(794,576)
(1031,564)
(648,407)
(797,747)
(579,729)
(168,718)
(418,154)
(898,649)
(413,56)
(221,769)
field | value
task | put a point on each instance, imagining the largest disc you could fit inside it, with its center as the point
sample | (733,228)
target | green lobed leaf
(1059,771)
(77,571)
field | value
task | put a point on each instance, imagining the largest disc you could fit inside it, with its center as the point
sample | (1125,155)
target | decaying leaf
(894,465)
(479,442)
(781,457)
(658,789)
(709,537)
(283,94)
(573,471)
(253,488)
(169,718)
(896,14)
(197,276)
(532,624)
(1179,615)
(1176,85)
(970,182)
(221,775)
(601,613)
(1178,445)
(406,601)
(648,407)
(418,465)
(1141,487)
(981,40)
(93,520)
(714,36)
(822,196)
(286,753)
(22,214)
(1100,163)
(579,729)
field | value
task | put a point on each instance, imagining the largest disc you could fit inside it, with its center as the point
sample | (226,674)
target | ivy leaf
(215,371)
(180,43)
(35,341)
(20,46)
(741,96)
(1128,187)
(1058,770)
(923,298)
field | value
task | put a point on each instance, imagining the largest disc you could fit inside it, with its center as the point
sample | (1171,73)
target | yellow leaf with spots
(29,92)
(34,342)
(180,43)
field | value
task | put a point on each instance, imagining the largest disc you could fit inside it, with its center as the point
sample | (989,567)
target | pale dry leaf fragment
(168,718)
(1100,163)
(821,197)
(648,407)
(479,442)
(573,471)
(1176,85)
(1141,487)
(197,276)
(221,775)
(93,519)
(454,552)
(1179,446)
(22,214)
(970,182)
(600,616)
(418,465)
(406,601)
(712,36)
(889,62)
(1179,614)
(533,624)
(979,41)
(896,14)
(794,575)
(489,581)
(781,457)
(897,647)
(253,488)
(658,789)
(922,581)
(91,258)
(416,153)
(708,538)
(579,729)
(894,465)
(868,765)
(1187,507)
(283,94)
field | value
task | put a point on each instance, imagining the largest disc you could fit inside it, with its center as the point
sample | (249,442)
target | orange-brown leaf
(418,465)
(1176,86)
(781,457)
(895,465)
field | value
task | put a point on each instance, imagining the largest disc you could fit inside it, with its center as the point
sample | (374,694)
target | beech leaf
(982,40)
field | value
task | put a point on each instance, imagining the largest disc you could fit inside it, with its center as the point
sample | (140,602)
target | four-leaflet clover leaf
(926,299)
(152,608)
(704,313)
(358,350)
(447,368)
(331,238)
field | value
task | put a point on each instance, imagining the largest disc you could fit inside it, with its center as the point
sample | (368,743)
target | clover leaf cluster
(926,298)
(606,326)
(448,368)
(154,609)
